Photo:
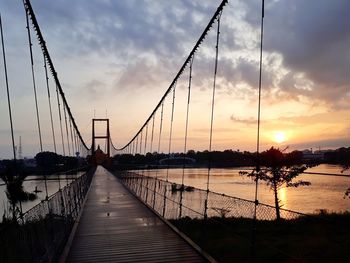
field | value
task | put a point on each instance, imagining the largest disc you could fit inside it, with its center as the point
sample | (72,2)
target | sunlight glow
(279,137)
(282,194)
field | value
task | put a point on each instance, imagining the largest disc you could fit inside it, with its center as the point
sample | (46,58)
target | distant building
(314,155)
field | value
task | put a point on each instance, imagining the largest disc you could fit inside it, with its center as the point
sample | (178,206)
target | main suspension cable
(184,66)
(42,43)
(33,79)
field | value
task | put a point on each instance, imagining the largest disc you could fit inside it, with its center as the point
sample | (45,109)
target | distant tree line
(50,162)
(226,158)
(46,163)
(340,156)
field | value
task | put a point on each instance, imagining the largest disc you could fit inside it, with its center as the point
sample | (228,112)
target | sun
(279,137)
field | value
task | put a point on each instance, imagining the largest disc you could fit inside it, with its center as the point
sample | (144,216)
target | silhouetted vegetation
(322,238)
(227,158)
(13,177)
(340,156)
(44,163)
(279,170)
(49,162)
(13,173)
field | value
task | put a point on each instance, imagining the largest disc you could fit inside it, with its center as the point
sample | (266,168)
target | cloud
(100,47)
(216,130)
(124,28)
(323,144)
(94,89)
(246,121)
(313,38)
(142,75)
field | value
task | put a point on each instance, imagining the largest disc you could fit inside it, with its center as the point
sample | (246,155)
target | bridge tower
(94,136)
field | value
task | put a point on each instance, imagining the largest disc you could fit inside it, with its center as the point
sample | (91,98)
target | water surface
(325,192)
(35,182)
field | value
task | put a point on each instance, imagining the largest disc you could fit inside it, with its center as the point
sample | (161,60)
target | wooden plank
(116,227)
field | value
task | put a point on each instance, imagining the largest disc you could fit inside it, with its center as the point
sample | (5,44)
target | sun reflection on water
(282,195)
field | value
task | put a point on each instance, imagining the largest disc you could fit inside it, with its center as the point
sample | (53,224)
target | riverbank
(321,238)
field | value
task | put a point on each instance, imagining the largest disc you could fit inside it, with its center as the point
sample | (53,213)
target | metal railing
(41,233)
(174,201)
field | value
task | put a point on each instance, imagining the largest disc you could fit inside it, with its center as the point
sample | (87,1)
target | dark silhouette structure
(98,156)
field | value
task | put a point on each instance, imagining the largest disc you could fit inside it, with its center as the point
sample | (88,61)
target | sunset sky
(117,58)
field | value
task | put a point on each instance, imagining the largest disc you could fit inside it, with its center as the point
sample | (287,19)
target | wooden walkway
(116,227)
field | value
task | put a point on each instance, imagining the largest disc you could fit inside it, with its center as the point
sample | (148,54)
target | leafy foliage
(51,162)
(13,177)
(279,170)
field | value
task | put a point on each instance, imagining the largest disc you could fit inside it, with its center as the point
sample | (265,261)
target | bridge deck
(116,227)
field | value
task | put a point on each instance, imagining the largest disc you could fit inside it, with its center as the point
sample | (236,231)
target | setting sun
(279,137)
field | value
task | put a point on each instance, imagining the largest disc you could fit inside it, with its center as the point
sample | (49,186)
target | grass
(323,238)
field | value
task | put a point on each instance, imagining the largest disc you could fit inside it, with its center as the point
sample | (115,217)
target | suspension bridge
(111,215)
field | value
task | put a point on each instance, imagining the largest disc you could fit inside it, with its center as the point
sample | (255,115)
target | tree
(13,177)
(47,160)
(279,170)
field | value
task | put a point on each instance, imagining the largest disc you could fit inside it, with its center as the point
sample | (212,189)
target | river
(33,182)
(325,192)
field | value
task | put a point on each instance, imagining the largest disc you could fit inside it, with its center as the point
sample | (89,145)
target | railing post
(154,192)
(180,205)
(76,203)
(138,192)
(147,190)
(206,205)
(63,212)
(69,202)
(164,202)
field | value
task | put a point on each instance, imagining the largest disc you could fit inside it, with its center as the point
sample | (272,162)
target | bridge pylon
(96,153)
